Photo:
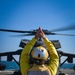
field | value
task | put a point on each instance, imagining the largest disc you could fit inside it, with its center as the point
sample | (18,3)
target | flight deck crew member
(40,55)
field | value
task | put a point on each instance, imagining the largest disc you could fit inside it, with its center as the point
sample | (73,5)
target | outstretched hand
(40,33)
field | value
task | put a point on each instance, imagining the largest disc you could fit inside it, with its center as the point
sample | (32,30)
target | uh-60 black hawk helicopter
(23,42)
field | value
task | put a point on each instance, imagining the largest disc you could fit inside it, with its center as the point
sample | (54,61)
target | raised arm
(54,58)
(24,59)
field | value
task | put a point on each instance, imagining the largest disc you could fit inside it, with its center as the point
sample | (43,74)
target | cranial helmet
(39,55)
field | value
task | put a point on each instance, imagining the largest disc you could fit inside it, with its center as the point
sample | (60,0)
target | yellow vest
(53,63)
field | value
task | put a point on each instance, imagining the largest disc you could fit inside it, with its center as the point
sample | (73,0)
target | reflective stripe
(38,73)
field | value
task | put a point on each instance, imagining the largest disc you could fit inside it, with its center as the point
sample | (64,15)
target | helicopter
(56,43)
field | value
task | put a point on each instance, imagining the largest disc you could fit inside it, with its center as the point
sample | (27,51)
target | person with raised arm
(39,55)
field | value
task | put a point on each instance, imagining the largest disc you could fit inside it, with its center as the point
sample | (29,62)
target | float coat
(53,63)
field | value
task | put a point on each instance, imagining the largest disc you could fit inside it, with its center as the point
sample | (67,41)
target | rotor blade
(61,34)
(16,31)
(72,27)
(21,35)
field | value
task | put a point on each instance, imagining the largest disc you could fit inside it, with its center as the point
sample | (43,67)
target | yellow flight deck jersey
(53,63)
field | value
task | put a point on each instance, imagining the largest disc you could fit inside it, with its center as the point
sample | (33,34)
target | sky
(32,14)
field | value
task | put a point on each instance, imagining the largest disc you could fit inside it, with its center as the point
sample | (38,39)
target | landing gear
(2,66)
(74,67)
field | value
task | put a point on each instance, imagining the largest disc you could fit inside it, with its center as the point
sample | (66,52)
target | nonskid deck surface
(65,71)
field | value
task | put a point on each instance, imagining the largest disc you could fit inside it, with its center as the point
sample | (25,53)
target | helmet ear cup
(31,60)
(47,61)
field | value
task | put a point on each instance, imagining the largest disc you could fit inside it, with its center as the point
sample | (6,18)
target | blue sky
(31,14)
